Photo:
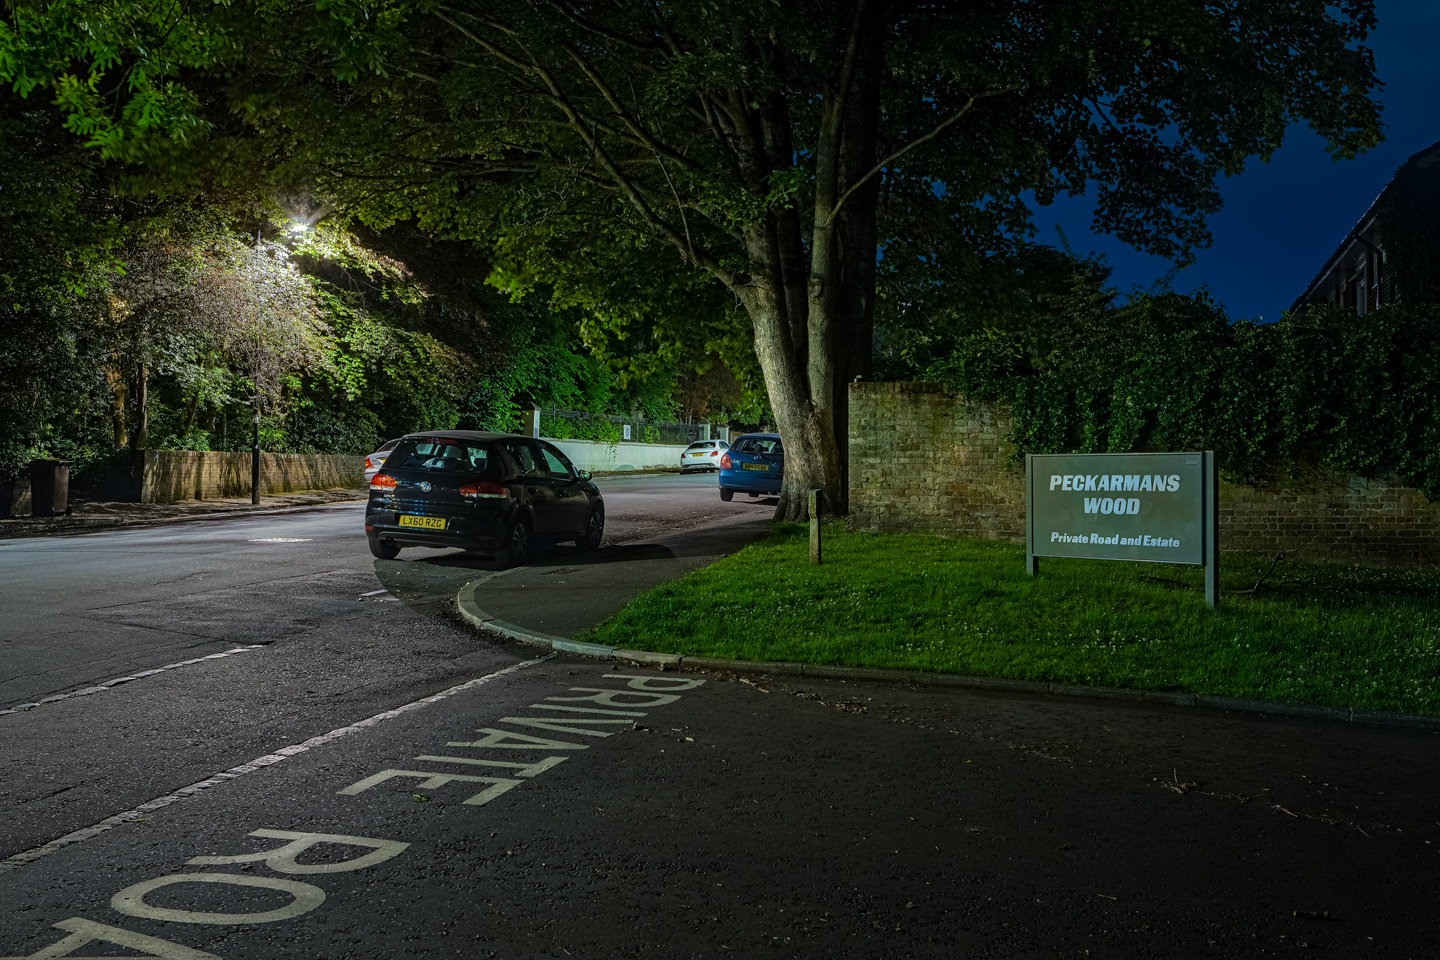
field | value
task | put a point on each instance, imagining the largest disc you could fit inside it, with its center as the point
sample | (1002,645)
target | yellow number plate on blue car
(754,466)
(428,523)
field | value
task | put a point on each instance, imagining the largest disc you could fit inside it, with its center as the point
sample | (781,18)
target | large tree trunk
(115,380)
(851,303)
(810,456)
(811,349)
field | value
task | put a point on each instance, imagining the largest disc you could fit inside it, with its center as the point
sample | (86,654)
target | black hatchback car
(491,492)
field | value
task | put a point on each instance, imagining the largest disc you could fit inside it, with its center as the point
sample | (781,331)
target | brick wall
(925,460)
(175,475)
(922,460)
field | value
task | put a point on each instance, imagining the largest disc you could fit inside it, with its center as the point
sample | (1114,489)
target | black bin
(49,488)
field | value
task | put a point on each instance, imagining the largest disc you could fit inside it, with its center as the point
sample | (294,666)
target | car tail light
(381,482)
(484,490)
(725,463)
(714,453)
(368,464)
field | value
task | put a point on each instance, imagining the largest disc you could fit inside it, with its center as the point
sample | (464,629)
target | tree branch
(897,154)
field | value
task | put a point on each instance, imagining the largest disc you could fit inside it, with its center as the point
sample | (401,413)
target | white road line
(35,853)
(134,676)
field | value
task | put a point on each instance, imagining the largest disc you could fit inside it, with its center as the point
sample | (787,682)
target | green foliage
(1170,372)
(1328,634)
(55,235)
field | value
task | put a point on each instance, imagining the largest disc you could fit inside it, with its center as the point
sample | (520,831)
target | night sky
(1282,219)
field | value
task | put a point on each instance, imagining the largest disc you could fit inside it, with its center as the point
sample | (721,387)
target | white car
(376,460)
(703,455)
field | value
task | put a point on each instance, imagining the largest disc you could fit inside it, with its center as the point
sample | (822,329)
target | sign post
(1154,507)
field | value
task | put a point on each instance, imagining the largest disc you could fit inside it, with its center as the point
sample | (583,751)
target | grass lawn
(1326,634)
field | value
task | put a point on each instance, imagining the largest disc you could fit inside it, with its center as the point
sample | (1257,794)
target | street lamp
(255,457)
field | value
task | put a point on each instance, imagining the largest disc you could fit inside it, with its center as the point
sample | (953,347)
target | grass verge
(1314,633)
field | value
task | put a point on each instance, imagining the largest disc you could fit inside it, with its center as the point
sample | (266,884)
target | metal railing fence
(610,428)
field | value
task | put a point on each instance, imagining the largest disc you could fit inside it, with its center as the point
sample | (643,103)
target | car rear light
(485,490)
(368,464)
(382,482)
(714,453)
(725,463)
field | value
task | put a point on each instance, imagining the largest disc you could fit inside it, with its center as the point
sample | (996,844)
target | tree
(778,150)
(263,313)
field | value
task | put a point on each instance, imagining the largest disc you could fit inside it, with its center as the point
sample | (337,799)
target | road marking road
(521,769)
(135,813)
(432,781)
(640,691)
(281,859)
(510,740)
(131,900)
(555,724)
(85,932)
(607,697)
(306,897)
(613,713)
(108,684)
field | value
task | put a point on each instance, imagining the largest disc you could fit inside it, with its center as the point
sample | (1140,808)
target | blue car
(754,464)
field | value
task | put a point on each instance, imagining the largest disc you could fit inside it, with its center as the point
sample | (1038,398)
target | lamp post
(255,457)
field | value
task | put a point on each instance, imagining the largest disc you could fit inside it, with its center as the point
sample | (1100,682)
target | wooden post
(1032,562)
(1210,527)
(814,526)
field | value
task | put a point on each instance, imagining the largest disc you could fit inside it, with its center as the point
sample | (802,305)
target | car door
(533,473)
(572,504)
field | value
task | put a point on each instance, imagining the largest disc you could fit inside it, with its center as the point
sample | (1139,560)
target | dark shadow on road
(561,589)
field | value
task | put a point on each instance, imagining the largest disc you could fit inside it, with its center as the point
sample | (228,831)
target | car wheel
(726,493)
(594,529)
(515,547)
(384,549)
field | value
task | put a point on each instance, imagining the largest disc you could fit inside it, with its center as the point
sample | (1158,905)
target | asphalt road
(746,816)
(762,819)
(82,610)
(307,632)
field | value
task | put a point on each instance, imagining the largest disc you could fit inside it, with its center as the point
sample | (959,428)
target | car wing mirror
(583,474)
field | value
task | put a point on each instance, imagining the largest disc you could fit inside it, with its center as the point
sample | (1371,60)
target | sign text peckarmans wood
(1157,507)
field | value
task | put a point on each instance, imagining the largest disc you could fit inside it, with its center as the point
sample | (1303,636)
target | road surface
(81,610)
(373,779)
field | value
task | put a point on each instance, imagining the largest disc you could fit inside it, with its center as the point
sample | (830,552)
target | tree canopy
(782,156)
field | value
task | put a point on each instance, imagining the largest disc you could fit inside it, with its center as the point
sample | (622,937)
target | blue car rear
(754,464)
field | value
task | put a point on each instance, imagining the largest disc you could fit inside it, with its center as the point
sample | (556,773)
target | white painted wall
(595,456)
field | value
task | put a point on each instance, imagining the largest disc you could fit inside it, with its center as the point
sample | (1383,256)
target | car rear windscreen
(760,445)
(439,455)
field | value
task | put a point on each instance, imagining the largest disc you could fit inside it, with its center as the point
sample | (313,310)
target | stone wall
(175,475)
(19,498)
(925,460)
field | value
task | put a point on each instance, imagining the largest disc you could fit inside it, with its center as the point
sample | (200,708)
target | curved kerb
(469,609)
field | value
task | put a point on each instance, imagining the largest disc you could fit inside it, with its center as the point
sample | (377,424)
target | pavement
(89,516)
(372,778)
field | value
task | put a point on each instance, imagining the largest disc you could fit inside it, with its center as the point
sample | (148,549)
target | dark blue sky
(1282,219)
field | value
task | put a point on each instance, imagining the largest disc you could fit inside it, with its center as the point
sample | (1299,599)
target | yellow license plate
(428,523)
(754,466)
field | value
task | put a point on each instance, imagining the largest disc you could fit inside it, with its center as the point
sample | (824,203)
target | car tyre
(594,529)
(384,549)
(726,493)
(515,548)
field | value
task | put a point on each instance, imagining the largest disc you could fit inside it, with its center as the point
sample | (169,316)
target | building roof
(1417,161)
